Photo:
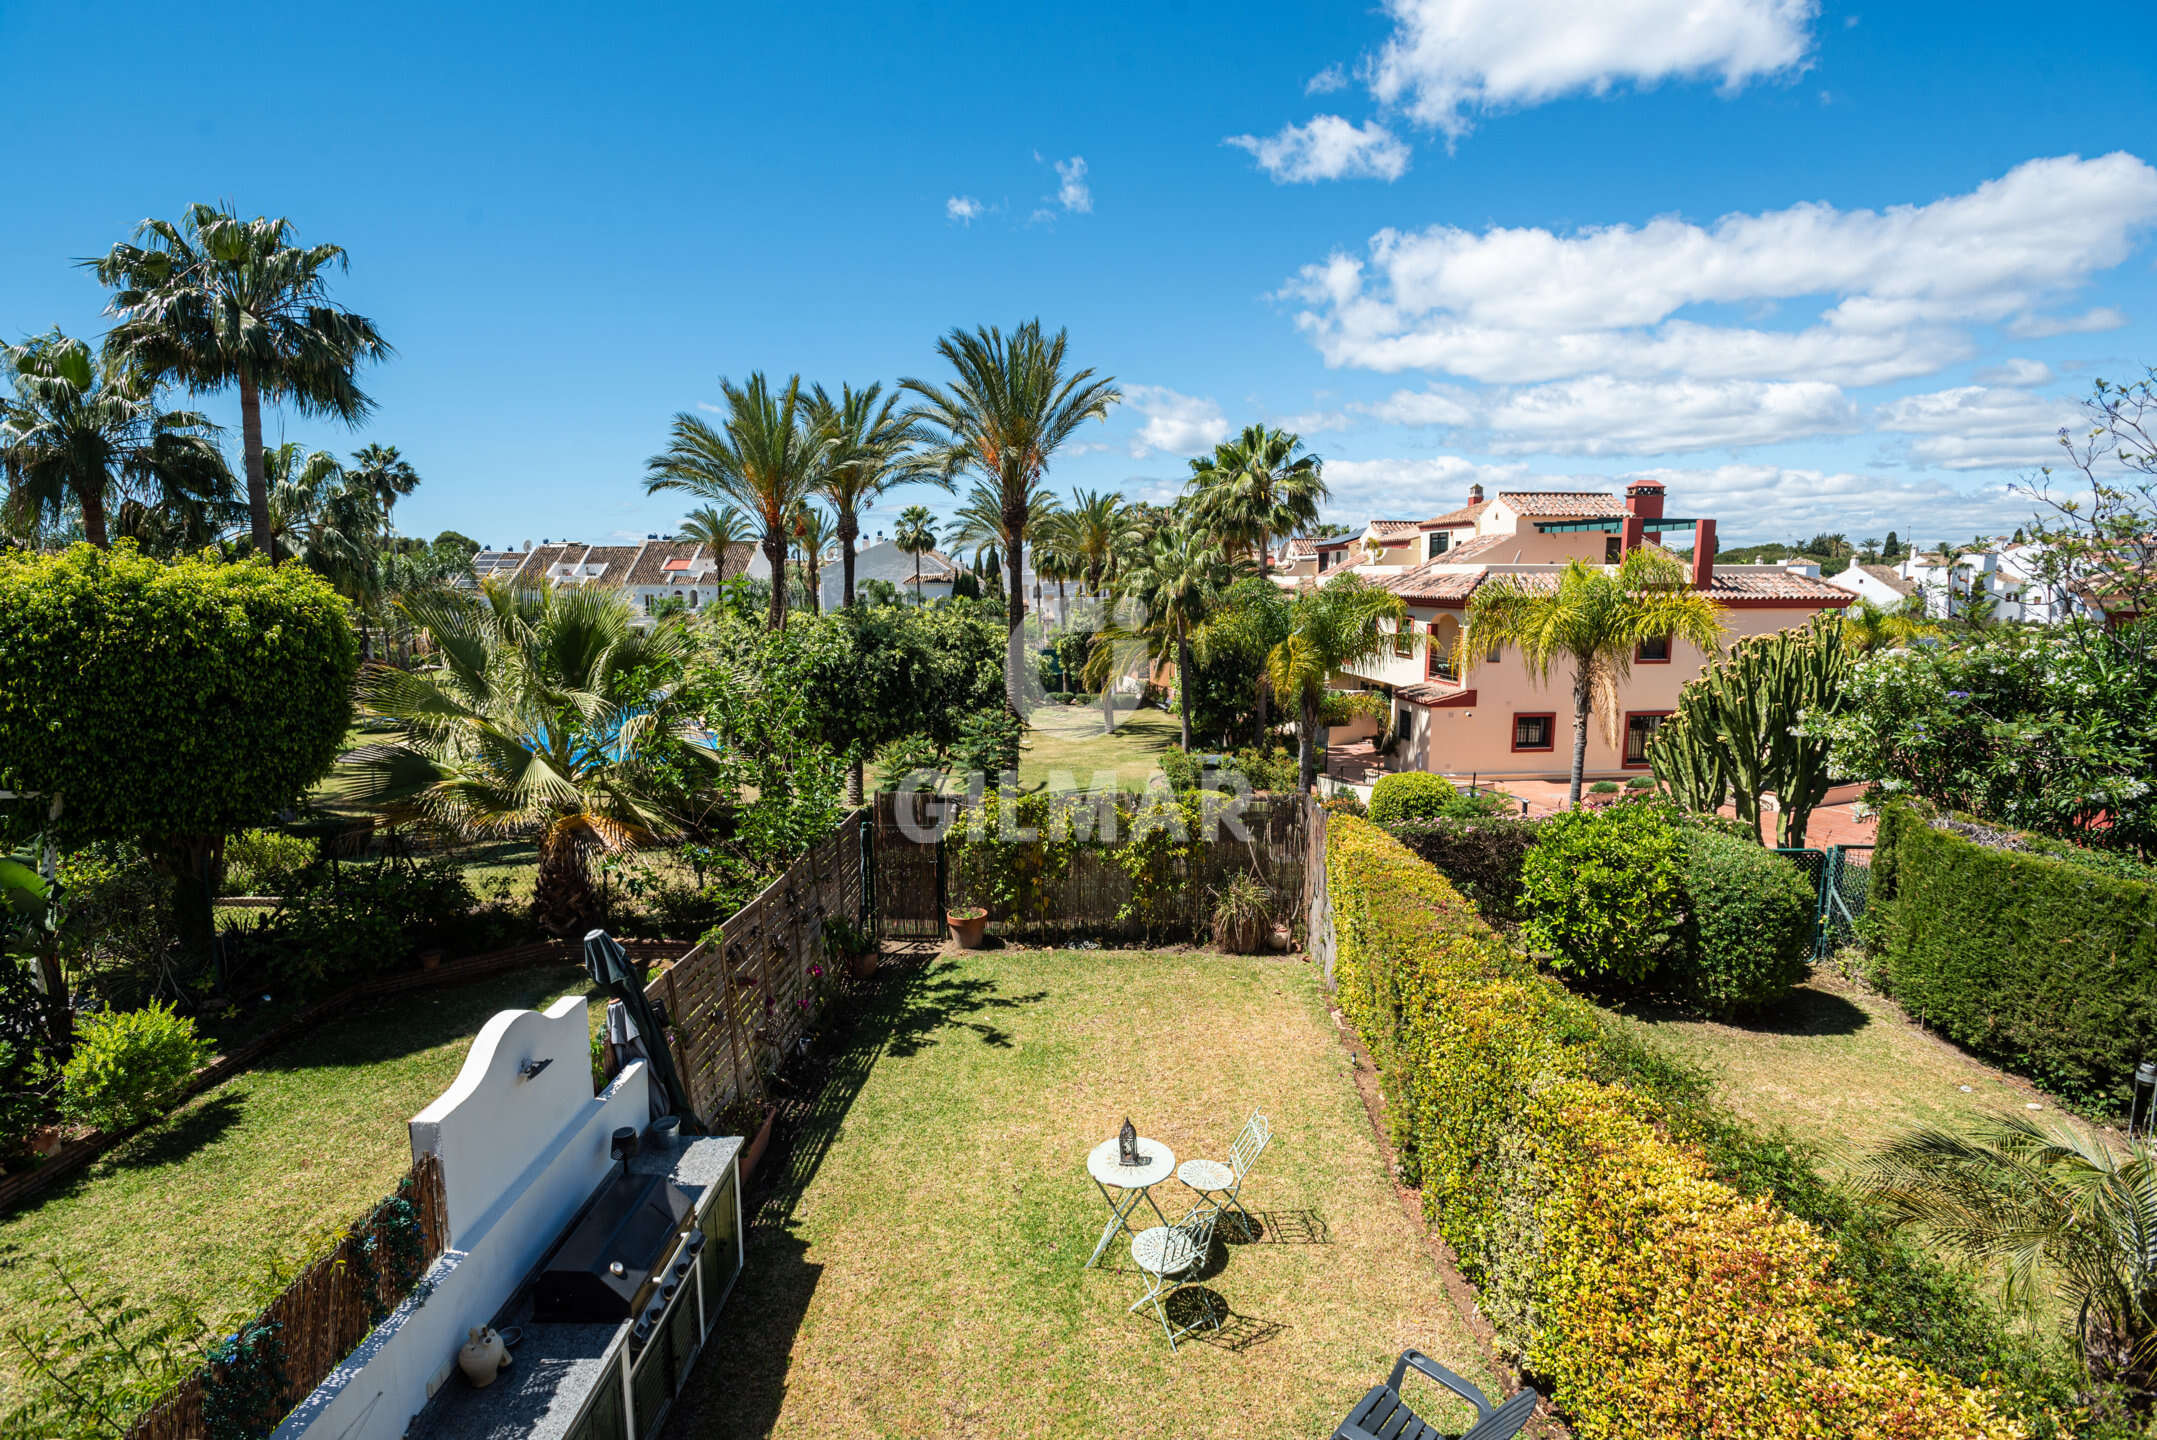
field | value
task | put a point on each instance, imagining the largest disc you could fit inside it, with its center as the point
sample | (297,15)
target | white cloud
(1756,503)
(1891,295)
(1602,416)
(963,208)
(1981,427)
(1439,405)
(2016,371)
(1448,59)
(2043,327)
(1175,424)
(1326,81)
(1072,191)
(1420,488)
(1328,148)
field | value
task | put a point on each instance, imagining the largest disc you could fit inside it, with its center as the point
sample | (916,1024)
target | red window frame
(1642,657)
(1550,731)
(1626,737)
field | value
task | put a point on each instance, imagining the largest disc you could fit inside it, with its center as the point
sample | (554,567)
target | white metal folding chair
(1210,1177)
(1172,1257)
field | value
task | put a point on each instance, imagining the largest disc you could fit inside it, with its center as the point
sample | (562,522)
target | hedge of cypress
(1649,1297)
(2046,967)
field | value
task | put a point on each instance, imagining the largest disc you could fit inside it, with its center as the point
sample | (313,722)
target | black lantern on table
(1127,1145)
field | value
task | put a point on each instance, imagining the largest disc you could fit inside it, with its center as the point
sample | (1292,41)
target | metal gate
(1841,880)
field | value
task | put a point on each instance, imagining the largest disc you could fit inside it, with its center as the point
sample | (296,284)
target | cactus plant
(1735,731)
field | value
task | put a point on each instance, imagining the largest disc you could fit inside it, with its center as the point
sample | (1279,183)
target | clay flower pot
(968,926)
(862,966)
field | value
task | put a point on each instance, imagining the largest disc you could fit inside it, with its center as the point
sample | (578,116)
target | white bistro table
(1133,1180)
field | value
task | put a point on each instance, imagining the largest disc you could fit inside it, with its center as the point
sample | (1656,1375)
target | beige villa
(1497,721)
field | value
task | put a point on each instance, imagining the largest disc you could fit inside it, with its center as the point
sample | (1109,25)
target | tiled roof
(1432,695)
(1544,504)
(1483,547)
(1887,575)
(1393,527)
(1430,583)
(1302,545)
(1434,583)
(1742,583)
(1466,515)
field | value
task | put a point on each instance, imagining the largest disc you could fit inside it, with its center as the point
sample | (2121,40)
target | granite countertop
(555,1367)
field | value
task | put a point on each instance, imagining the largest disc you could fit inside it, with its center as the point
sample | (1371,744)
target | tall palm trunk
(1307,745)
(562,900)
(917,579)
(849,527)
(775,556)
(258,485)
(1583,697)
(1015,637)
(93,515)
(1183,685)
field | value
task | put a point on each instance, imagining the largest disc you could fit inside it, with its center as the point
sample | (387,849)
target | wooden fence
(736,1007)
(328,1309)
(1093,897)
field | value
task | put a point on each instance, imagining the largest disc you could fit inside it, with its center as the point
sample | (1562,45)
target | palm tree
(1056,557)
(1010,409)
(1595,617)
(384,472)
(327,517)
(1346,623)
(1251,619)
(79,432)
(915,536)
(1257,486)
(873,449)
(2056,1207)
(1173,586)
(982,524)
(761,458)
(1869,626)
(719,526)
(544,715)
(812,537)
(1098,525)
(216,300)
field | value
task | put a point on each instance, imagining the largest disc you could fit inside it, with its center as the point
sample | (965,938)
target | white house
(1884,585)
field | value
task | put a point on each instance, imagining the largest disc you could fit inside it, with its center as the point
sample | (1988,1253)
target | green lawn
(1066,745)
(254,1172)
(915,1267)
(1841,1068)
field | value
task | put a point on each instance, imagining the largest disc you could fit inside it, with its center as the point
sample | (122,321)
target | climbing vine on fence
(243,1390)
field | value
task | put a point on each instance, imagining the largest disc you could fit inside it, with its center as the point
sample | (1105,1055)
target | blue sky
(1818,266)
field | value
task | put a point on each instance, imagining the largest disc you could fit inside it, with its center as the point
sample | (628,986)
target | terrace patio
(916,1247)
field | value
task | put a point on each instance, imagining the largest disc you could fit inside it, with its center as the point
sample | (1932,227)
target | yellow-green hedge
(1651,1299)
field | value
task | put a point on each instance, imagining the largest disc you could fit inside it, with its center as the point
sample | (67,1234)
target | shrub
(346,922)
(1749,917)
(988,741)
(2046,967)
(1603,787)
(1242,914)
(902,760)
(1649,1294)
(1640,782)
(129,1065)
(1482,857)
(1599,891)
(1409,795)
(265,862)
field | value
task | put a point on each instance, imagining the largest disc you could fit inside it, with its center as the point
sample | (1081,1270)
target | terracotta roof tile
(1466,515)
(1545,504)
(1734,583)
(1393,527)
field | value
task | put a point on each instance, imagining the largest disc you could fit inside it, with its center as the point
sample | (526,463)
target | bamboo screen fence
(328,1308)
(737,1006)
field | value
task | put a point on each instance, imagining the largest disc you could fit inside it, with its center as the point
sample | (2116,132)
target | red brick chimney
(1645,499)
(1703,554)
(1475,493)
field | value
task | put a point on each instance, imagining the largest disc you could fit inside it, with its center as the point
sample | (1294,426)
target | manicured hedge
(1647,1296)
(1409,795)
(1482,857)
(2047,967)
(1749,916)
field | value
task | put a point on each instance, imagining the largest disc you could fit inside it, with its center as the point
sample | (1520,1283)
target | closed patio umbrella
(612,970)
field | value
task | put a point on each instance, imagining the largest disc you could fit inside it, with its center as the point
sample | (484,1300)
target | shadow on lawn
(1807,1010)
(900,1011)
(400,1025)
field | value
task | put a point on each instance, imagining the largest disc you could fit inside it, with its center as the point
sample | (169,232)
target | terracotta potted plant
(752,1120)
(1242,915)
(968,924)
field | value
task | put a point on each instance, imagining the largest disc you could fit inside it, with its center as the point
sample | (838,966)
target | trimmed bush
(1410,795)
(2046,967)
(1599,891)
(265,862)
(1652,1298)
(129,1066)
(1483,857)
(1749,917)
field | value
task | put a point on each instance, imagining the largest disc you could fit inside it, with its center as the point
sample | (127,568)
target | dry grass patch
(915,1266)
(1067,740)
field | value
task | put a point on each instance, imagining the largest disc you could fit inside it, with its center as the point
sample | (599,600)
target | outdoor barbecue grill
(626,1257)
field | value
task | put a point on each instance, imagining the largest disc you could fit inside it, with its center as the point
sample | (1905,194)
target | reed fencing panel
(1092,896)
(329,1307)
(735,1007)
